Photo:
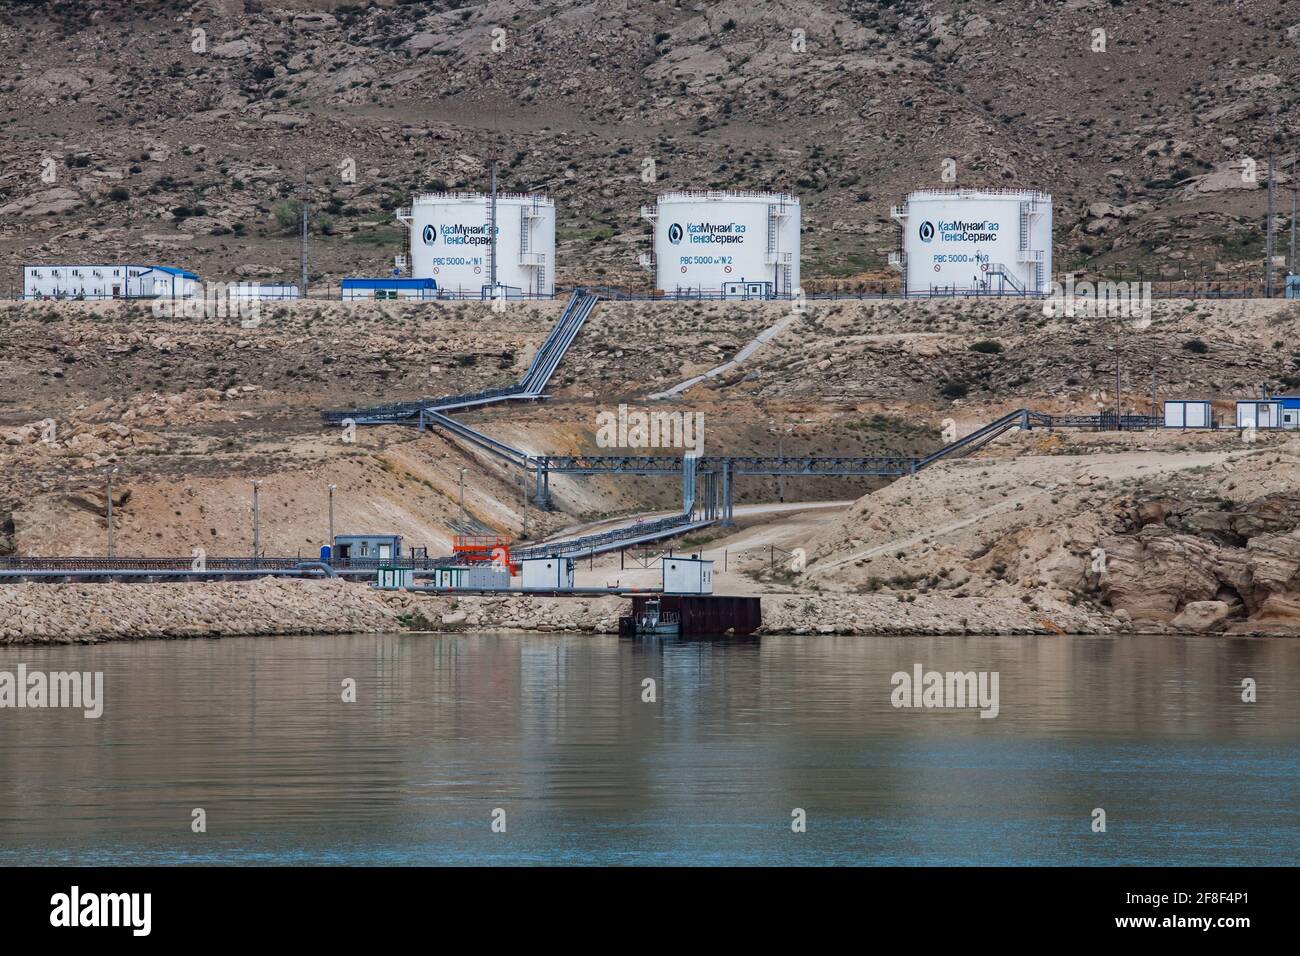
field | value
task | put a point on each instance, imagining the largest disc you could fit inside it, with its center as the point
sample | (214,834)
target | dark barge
(699,614)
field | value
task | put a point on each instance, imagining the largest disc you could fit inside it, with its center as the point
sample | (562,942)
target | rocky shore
(92,613)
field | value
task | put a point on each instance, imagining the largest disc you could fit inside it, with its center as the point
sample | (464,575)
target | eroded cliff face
(1205,565)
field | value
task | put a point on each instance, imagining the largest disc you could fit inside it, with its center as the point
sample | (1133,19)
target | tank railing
(535,198)
(729,194)
(950,191)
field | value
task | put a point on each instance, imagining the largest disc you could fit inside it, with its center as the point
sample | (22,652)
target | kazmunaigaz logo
(927,231)
(430,235)
(675,233)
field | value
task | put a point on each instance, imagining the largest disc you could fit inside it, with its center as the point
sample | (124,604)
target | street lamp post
(462,494)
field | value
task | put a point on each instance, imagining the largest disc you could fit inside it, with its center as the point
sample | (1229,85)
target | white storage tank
(725,244)
(450,242)
(997,241)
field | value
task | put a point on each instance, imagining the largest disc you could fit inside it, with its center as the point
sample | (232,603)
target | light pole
(462,494)
(257,519)
(111,473)
(331,542)
(523,499)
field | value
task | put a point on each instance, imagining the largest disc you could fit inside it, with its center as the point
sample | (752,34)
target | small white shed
(687,576)
(1259,413)
(551,573)
(1188,413)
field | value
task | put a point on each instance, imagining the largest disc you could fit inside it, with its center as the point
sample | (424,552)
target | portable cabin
(552,573)
(111,281)
(394,579)
(367,547)
(390,288)
(1290,411)
(471,577)
(265,290)
(691,575)
(1188,413)
(1259,413)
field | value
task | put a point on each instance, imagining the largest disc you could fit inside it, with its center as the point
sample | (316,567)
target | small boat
(654,620)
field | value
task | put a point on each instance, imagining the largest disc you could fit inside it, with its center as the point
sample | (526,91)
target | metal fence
(1167,289)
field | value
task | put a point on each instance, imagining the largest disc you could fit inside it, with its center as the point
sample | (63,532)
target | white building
(1188,413)
(996,241)
(394,579)
(725,243)
(108,282)
(418,290)
(687,576)
(1259,413)
(548,574)
(451,242)
(255,290)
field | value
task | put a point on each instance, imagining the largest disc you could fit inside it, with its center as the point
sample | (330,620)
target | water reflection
(554,730)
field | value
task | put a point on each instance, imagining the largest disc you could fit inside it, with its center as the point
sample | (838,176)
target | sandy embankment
(70,613)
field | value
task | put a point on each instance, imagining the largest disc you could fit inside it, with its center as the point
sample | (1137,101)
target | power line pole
(492,224)
(257,520)
(523,500)
(304,241)
(1291,269)
(111,473)
(1269,247)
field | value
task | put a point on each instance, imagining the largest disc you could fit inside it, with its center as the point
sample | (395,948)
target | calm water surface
(553,731)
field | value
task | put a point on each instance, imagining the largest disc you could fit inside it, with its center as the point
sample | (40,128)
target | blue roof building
(389,288)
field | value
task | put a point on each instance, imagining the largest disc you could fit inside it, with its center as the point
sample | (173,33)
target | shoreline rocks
(95,613)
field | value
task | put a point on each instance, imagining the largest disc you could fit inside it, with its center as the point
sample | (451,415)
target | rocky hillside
(181,132)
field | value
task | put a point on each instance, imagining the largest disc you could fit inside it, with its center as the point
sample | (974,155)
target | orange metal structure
(483,549)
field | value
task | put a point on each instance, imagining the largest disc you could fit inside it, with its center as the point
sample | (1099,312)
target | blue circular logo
(675,233)
(430,235)
(927,231)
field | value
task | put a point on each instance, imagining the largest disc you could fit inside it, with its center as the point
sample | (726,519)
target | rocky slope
(181,130)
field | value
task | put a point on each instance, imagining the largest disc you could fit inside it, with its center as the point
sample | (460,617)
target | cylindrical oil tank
(725,243)
(451,242)
(958,240)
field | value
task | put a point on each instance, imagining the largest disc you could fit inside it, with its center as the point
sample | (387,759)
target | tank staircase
(782,262)
(527,258)
(1029,209)
(1005,278)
